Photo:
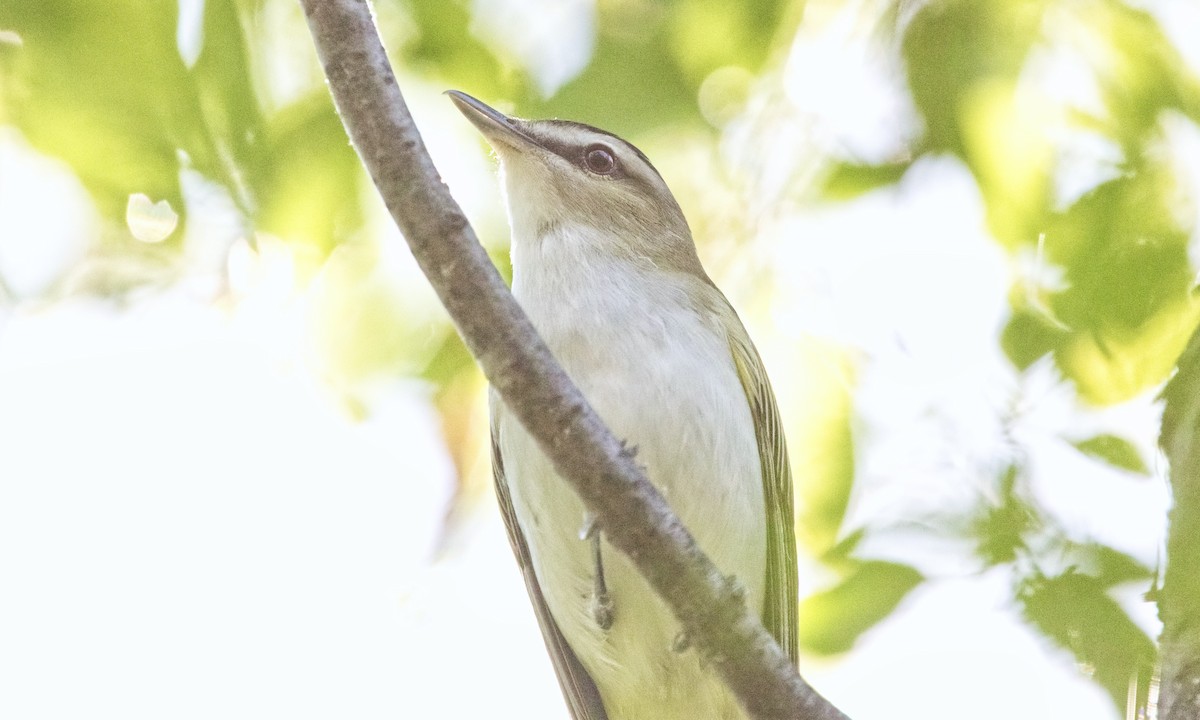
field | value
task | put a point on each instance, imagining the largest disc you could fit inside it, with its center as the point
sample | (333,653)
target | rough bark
(1179,599)
(634,515)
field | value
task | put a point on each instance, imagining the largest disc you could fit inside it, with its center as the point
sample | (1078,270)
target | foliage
(113,90)
(1125,311)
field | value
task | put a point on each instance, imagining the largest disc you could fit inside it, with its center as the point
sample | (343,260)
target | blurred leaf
(1128,300)
(1114,567)
(1140,71)
(1030,335)
(1125,256)
(459,399)
(225,84)
(308,178)
(952,46)
(361,324)
(651,59)
(1108,566)
(964,59)
(449,361)
(841,555)
(631,84)
(848,180)
(708,34)
(833,620)
(108,92)
(1005,142)
(445,46)
(1074,611)
(461,404)
(1002,527)
(1114,450)
(1112,368)
(826,434)
(502,259)
(1125,311)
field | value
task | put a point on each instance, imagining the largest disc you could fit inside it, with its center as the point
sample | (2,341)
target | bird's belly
(641,665)
(696,440)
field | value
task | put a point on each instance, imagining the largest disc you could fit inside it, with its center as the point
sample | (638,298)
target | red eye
(600,160)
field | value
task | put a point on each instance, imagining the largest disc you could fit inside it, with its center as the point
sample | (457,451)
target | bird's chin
(533,204)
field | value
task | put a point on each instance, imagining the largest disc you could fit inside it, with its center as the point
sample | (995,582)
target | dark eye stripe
(574,153)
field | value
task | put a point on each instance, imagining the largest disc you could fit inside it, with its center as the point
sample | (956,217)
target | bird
(605,266)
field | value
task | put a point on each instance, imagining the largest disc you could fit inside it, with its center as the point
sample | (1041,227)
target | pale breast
(660,373)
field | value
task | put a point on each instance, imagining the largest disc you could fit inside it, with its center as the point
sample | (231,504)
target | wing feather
(583,699)
(781,601)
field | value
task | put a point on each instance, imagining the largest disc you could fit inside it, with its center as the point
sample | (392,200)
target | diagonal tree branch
(636,518)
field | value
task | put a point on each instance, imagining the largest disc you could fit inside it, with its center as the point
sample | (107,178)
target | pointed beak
(499,129)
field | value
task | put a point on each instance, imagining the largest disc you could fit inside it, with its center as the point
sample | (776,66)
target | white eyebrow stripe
(571,149)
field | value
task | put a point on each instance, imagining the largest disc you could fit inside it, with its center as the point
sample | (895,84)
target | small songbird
(605,266)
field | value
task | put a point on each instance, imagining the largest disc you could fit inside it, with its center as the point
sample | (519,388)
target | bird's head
(566,177)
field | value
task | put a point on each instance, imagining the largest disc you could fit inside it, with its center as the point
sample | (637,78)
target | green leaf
(964,60)
(1128,296)
(308,178)
(1110,567)
(1001,528)
(103,87)
(1140,73)
(1125,254)
(833,620)
(952,47)
(449,361)
(1114,450)
(1074,611)
(824,419)
(651,87)
(737,34)
(1029,336)
(650,60)
(849,180)
(841,554)
(224,83)
(444,45)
